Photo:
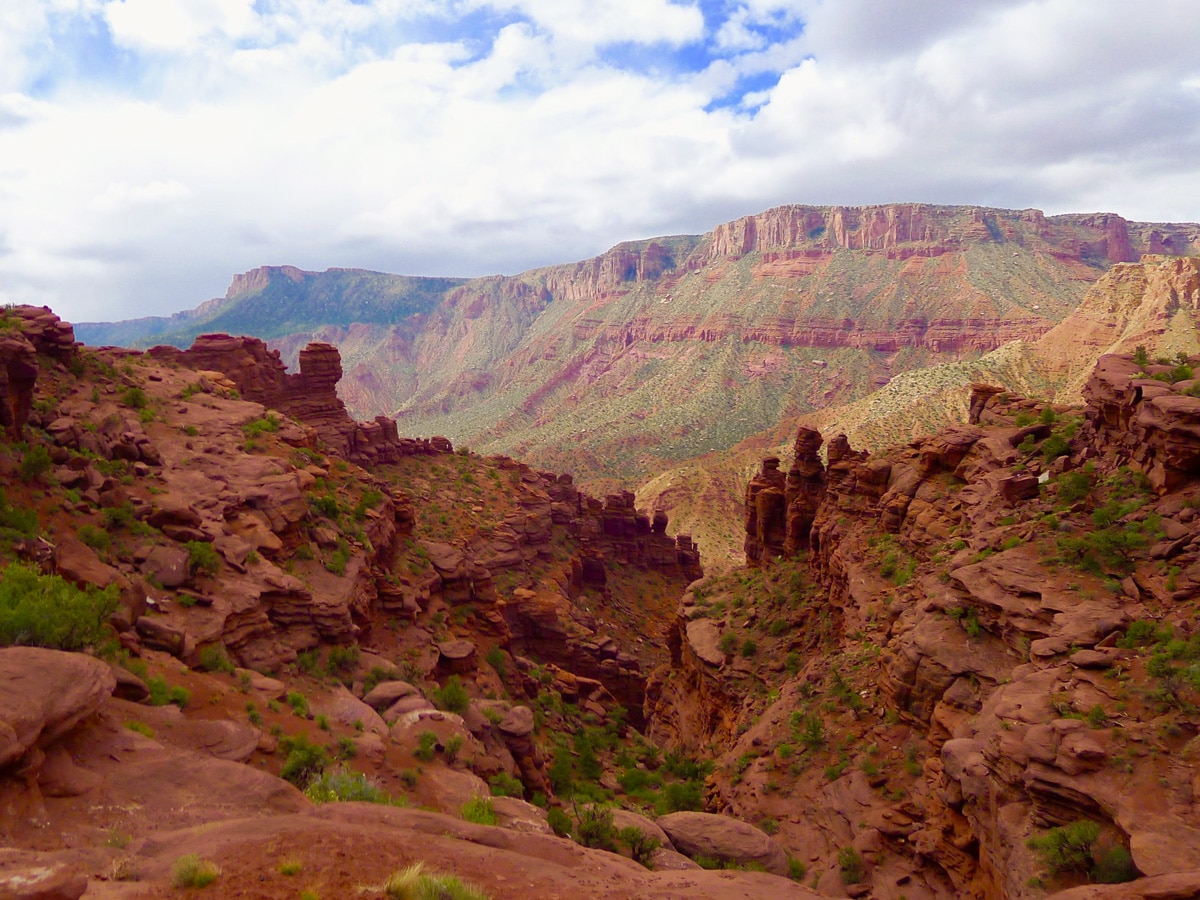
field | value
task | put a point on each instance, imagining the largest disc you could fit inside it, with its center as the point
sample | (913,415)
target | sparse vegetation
(480,810)
(414,883)
(191,871)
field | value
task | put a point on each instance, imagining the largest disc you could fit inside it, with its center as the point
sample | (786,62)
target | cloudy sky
(150,149)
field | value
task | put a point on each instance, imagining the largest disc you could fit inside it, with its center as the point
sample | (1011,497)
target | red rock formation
(1153,425)
(309,396)
(766,513)
(27,332)
(916,229)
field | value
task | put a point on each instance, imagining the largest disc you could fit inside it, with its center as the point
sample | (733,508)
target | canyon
(671,352)
(962,665)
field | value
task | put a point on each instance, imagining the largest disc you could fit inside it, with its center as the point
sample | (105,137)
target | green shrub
(414,883)
(305,761)
(39,610)
(559,821)
(480,810)
(596,827)
(426,746)
(327,505)
(796,869)
(850,862)
(141,728)
(337,560)
(203,558)
(749,648)
(162,693)
(35,462)
(1067,848)
(641,845)
(16,522)
(369,500)
(1115,867)
(96,538)
(259,427)
(345,785)
(134,397)
(452,747)
(377,675)
(193,872)
(728,642)
(214,658)
(299,704)
(342,659)
(452,697)
(504,785)
(497,660)
(309,662)
(1055,446)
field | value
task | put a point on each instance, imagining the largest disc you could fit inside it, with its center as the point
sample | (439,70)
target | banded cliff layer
(614,367)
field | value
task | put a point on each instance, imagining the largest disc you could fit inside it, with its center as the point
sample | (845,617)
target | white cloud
(598,22)
(473,136)
(177,24)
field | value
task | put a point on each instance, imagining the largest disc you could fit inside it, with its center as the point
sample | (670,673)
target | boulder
(52,881)
(384,694)
(168,565)
(457,657)
(725,839)
(347,709)
(44,694)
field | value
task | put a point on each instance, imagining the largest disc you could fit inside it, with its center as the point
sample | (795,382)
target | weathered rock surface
(722,838)
(44,694)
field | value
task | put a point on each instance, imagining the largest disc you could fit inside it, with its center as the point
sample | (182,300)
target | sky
(151,149)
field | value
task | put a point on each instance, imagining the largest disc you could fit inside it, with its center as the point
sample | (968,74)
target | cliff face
(786,312)
(976,646)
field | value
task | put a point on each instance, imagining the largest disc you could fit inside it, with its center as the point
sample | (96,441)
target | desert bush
(299,704)
(191,871)
(641,845)
(39,610)
(258,427)
(480,810)
(1115,867)
(345,785)
(35,462)
(850,862)
(414,883)
(596,827)
(452,697)
(1067,848)
(305,761)
(426,746)
(96,538)
(504,785)
(342,659)
(214,658)
(203,558)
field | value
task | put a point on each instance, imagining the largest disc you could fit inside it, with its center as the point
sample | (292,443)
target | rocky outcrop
(1148,418)
(999,568)
(27,332)
(43,695)
(309,396)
